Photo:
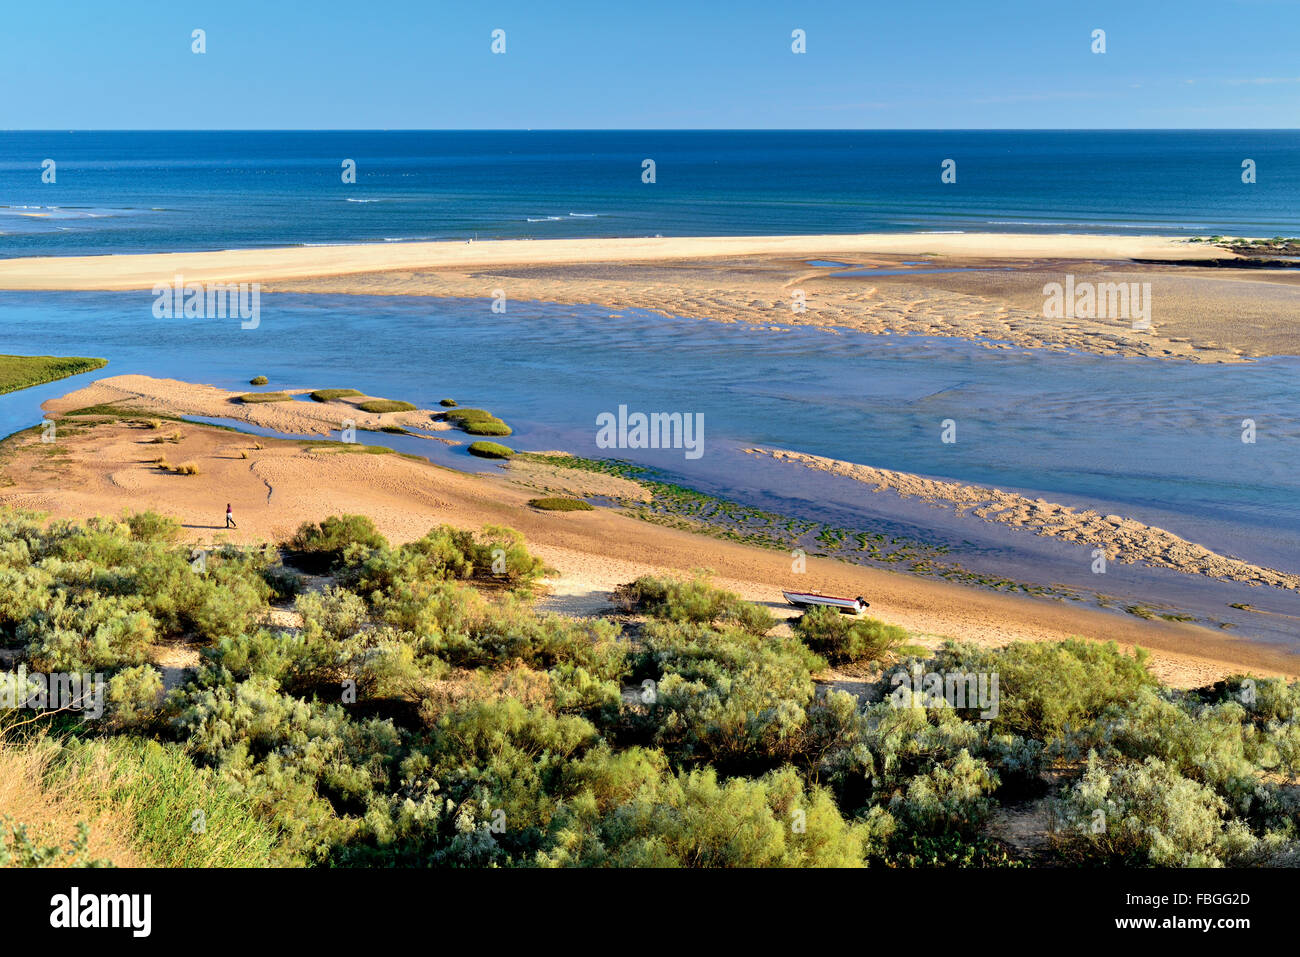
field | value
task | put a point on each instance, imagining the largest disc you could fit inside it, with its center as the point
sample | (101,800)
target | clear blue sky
(425,64)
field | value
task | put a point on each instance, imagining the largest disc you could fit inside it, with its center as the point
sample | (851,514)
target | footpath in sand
(106,467)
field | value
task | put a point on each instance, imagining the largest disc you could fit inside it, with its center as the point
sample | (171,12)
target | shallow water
(1153,440)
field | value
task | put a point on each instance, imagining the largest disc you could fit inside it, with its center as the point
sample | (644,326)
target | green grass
(329,395)
(448,403)
(161,790)
(477,422)
(254,397)
(488,427)
(558,504)
(333,445)
(23,372)
(490,450)
(258,380)
(467,415)
(385,405)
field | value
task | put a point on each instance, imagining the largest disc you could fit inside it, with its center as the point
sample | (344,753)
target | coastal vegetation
(477,422)
(491,450)
(560,504)
(360,703)
(258,380)
(252,397)
(23,372)
(385,405)
(329,395)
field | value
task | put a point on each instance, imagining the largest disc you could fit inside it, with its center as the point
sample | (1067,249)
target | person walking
(230,517)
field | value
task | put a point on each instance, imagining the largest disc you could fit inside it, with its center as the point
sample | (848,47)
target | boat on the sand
(810,599)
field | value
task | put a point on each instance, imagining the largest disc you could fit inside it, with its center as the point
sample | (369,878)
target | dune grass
(385,405)
(140,798)
(560,504)
(329,395)
(490,450)
(254,397)
(23,372)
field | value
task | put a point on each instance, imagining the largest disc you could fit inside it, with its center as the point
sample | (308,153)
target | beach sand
(106,470)
(1122,539)
(994,296)
(174,397)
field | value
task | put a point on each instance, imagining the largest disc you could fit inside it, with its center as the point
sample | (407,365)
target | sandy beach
(302,262)
(984,287)
(105,467)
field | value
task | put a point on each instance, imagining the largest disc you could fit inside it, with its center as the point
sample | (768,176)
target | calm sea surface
(165,191)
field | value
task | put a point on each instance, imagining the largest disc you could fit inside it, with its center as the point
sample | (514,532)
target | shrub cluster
(418,710)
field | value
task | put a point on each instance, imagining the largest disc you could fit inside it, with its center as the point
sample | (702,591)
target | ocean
(120,192)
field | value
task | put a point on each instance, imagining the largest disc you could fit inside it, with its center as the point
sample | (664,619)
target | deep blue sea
(166,191)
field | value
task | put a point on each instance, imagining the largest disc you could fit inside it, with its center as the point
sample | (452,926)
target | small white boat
(807,599)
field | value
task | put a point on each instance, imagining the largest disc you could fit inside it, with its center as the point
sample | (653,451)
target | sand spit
(174,397)
(143,271)
(989,288)
(1122,540)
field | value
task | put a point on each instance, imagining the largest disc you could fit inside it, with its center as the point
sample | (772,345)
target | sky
(667,64)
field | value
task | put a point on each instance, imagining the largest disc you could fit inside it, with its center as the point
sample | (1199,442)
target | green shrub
(1045,688)
(561,504)
(258,380)
(318,546)
(152,527)
(447,403)
(385,405)
(839,638)
(695,600)
(1144,815)
(490,450)
(695,820)
(284,582)
(134,695)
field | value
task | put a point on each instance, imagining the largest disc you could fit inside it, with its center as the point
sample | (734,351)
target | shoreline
(105,467)
(124,271)
(986,288)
